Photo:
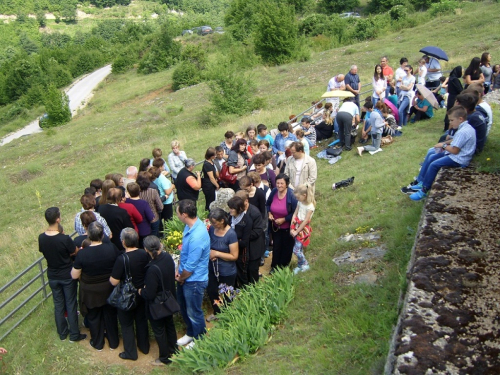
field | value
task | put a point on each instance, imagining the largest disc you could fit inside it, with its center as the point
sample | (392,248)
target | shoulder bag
(124,295)
(164,303)
(225,176)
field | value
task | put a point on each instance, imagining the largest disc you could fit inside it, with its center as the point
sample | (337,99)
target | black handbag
(164,303)
(334,151)
(124,295)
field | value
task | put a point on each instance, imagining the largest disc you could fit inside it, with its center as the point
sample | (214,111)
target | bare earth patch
(450,323)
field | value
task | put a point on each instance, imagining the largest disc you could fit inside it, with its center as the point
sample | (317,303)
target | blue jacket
(291,202)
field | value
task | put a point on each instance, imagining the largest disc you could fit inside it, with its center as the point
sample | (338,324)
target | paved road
(79,94)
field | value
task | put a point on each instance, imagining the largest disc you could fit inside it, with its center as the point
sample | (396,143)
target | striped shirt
(465,140)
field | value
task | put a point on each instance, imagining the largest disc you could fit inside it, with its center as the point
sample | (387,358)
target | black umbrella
(436,52)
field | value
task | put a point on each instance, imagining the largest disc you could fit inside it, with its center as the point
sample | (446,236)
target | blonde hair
(240,135)
(175,143)
(308,191)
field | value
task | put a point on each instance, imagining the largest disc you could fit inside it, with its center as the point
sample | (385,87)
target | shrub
(164,52)
(243,326)
(185,74)
(443,7)
(276,33)
(85,62)
(398,12)
(57,107)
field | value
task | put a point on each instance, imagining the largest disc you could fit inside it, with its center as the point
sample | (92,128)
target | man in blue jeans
(455,153)
(57,248)
(192,275)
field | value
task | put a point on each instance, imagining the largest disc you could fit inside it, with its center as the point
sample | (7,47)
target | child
(422,71)
(219,158)
(377,124)
(367,109)
(300,228)
(262,134)
(309,131)
(254,147)
(157,153)
(456,153)
(300,136)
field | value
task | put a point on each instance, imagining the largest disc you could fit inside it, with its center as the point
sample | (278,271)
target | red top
(135,216)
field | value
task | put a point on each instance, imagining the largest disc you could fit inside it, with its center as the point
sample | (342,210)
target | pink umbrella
(393,109)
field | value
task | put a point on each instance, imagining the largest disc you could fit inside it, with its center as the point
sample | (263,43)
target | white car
(350,14)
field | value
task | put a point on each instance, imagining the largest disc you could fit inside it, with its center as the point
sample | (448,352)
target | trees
(276,34)
(338,6)
(164,52)
(57,107)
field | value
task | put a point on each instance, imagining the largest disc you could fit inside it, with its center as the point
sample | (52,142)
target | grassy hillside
(333,327)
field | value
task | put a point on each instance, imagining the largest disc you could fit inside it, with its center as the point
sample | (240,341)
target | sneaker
(81,337)
(360,151)
(362,141)
(189,346)
(419,195)
(416,187)
(374,152)
(157,362)
(347,148)
(211,318)
(296,270)
(266,254)
(305,268)
(407,190)
(184,340)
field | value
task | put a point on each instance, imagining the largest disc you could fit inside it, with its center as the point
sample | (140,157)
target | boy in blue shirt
(262,134)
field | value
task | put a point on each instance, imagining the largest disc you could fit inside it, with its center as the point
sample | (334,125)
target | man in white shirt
(336,83)
(433,72)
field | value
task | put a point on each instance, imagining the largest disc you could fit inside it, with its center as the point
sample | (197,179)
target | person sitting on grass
(457,153)
(421,108)
(482,107)
(376,126)
(282,137)
(302,139)
(365,132)
(309,131)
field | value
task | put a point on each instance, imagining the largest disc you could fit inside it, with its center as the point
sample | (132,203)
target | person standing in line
(379,84)
(176,159)
(57,248)
(353,83)
(400,73)
(192,275)
(388,74)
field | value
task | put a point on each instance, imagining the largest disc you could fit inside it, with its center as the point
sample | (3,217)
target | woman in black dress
(160,272)
(209,182)
(132,262)
(93,266)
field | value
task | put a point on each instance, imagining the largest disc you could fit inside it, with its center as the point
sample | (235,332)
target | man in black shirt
(57,248)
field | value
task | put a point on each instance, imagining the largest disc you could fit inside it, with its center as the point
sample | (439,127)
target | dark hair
(209,153)
(380,75)
(218,214)
(299,147)
(305,119)
(391,90)
(144,165)
(283,176)
(96,184)
(114,196)
(116,178)
(474,66)
(90,190)
(484,58)
(188,207)
(268,155)
(133,189)
(457,111)
(253,142)
(87,201)
(403,60)
(468,100)
(158,162)
(87,217)
(250,127)
(86,243)
(368,104)
(52,214)
(261,127)
(95,231)
(143,180)
(229,134)
(237,145)
(410,68)
(153,245)
(282,126)
(155,172)
(259,159)
(106,185)
(236,203)
(218,149)
(245,181)
(129,237)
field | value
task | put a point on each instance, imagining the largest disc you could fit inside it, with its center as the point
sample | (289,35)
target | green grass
(332,327)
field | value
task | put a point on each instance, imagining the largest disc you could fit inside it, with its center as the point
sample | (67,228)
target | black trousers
(166,337)
(344,120)
(103,319)
(127,320)
(213,287)
(166,214)
(209,192)
(282,248)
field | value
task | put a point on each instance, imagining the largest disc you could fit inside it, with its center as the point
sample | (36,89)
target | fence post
(40,267)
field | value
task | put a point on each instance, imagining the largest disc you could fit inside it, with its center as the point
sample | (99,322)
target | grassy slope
(331,328)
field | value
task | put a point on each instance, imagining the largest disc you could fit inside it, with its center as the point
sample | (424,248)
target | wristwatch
(444,146)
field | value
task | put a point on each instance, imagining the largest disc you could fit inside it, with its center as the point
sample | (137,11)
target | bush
(232,91)
(444,7)
(85,62)
(398,12)
(185,74)
(276,34)
(243,326)
(57,107)
(164,52)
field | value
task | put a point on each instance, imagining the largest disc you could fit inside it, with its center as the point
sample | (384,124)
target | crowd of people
(259,190)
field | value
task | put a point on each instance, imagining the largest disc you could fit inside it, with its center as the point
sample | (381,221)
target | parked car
(219,30)
(350,14)
(43,120)
(187,32)
(196,30)
(205,30)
